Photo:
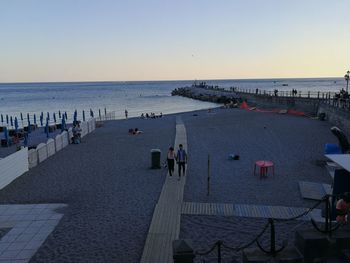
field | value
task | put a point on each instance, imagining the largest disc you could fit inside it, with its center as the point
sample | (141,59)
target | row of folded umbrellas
(13,122)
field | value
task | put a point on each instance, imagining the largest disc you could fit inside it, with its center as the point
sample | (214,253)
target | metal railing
(337,100)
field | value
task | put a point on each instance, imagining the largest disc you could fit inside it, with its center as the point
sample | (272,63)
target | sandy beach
(294,144)
(109,189)
(111,192)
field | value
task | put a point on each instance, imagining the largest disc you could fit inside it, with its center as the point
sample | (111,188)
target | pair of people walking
(180,158)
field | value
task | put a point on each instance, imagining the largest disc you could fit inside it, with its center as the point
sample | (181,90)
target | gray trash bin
(155,154)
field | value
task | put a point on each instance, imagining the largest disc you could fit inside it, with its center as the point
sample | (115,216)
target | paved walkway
(165,225)
(29,226)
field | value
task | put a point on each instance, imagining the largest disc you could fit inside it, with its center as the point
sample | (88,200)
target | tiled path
(261,211)
(165,225)
(30,226)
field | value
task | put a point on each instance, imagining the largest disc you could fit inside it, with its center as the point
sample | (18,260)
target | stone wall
(336,116)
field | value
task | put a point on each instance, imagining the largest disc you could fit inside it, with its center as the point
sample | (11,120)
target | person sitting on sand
(343,208)
(76,133)
(136,131)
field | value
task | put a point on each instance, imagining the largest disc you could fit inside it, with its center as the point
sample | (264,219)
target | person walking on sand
(126,114)
(181,159)
(171,160)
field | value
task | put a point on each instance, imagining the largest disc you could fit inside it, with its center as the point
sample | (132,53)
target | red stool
(264,166)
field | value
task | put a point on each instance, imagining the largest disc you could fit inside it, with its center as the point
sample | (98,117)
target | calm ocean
(136,97)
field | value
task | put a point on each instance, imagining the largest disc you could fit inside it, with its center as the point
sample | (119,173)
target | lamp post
(347,77)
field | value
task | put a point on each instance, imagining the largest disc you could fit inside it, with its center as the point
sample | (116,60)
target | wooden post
(208,192)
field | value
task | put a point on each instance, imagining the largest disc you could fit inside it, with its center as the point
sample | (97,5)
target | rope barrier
(271,220)
(302,214)
(250,243)
(209,251)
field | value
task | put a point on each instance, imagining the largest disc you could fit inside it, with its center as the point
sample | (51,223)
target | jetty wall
(337,116)
(307,105)
(206,94)
(313,104)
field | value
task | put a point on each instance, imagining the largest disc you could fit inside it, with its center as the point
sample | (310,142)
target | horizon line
(165,80)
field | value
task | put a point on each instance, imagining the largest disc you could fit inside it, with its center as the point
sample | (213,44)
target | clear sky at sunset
(81,40)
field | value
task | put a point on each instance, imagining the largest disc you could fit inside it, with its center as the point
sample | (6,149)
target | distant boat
(284,85)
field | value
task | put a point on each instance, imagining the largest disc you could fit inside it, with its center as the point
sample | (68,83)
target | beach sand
(109,188)
(294,144)
(111,192)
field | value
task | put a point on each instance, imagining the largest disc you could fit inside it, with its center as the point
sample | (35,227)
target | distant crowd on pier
(152,115)
(204,85)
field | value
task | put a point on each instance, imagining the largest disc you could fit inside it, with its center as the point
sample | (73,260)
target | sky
(106,40)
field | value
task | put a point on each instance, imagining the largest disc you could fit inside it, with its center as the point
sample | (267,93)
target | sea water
(137,97)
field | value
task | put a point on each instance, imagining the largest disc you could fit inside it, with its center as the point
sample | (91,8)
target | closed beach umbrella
(16,125)
(41,119)
(65,115)
(83,115)
(59,114)
(28,119)
(34,119)
(21,116)
(6,134)
(63,126)
(99,113)
(25,139)
(29,127)
(7,119)
(91,113)
(2,118)
(47,128)
(105,111)
(54,117)
(48,116)
(75,117)
(11,121)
